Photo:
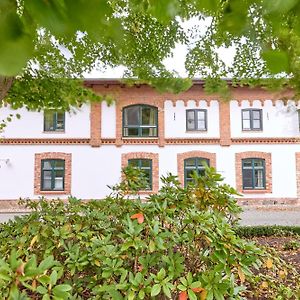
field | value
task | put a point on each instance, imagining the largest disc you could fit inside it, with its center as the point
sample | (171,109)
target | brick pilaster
(224,119)
(95,121)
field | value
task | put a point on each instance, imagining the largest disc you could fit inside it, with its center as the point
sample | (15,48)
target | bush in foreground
(179,244)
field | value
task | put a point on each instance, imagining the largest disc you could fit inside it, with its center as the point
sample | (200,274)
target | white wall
(31,124)
(175,120)
(278,121)
(95,168)
(108,126)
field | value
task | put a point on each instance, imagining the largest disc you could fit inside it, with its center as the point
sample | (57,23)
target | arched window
(254,174)
(140,121)
(194,164)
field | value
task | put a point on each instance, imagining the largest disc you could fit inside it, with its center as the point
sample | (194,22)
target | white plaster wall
(278,121)
(108,127)
(31,124)
(175,120)
(95,168)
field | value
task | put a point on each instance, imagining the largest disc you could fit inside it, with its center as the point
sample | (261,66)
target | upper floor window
(140,121)
(54,121)
(254,175)
(252,119)
(53,175)
(194,164)
(196,119)
(146,166)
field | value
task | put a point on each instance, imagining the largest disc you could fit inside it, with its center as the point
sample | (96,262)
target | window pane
(58,184)
(48,121)
(133,162)
(201,172)
(256,124)
(246,115)
(247,163)
(46,165)
(258,163)
(256,114)
(202,162)
(145,163)
(131,115)
(148,116)
(201,125)
(59,164)
(191,162)
(60,121)
(190,120)
(259,178)
(201,115)
(246,124)
(152,132)
(247,179)
(47,184)
(131,132)
(189,174)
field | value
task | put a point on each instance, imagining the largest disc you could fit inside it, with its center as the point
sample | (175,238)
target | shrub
(267,230)
(179,244)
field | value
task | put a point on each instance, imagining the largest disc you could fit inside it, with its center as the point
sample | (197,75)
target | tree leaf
(155,290)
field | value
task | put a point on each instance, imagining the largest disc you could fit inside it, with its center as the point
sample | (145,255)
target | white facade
(93,168)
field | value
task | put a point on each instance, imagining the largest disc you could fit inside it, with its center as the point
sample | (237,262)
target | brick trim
(155,166)
(239,174)
(95,124)
(182,156)
(224,121)
(266,140)
(135,101)
(44,141)
(37,172)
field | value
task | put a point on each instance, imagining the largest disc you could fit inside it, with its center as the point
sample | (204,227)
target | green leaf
(155,290)
(278,6)
(192,295)
(131,295)
(195,284)
(47,263)
(276,61)
(141,294)
(167,291)
(53,277)
(41,290)
(161,274)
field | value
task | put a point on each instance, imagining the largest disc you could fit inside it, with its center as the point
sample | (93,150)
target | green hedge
(256,231)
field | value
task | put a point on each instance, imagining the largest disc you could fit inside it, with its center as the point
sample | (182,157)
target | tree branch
(5,85)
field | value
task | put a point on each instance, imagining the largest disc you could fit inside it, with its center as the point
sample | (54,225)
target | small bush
(258,231)
(179,244)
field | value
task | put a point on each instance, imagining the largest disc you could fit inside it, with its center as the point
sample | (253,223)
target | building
(252,140)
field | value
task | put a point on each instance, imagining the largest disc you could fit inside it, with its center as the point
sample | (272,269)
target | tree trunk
(5,85)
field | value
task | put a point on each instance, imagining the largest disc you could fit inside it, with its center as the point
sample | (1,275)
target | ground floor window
(194,164)
(253,170)
(146,166)
(53,175)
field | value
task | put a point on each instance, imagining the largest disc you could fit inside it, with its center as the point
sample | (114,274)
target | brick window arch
(263,159)
(155,167)
(49,157)
(181,157)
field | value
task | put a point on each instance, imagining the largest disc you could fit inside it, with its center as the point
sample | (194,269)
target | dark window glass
(196,119)
(53,175)
(194,164)
(140,121)
(146,166)
(54,121)
(253,173)
(252,119)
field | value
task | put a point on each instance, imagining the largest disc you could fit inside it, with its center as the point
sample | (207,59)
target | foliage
(176,245)
(257,231)
(65,39)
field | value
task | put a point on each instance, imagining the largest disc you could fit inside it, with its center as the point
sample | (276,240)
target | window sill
(139,137)
(196,131)
(53,193)
(264,191)
(55,132)
(252,130)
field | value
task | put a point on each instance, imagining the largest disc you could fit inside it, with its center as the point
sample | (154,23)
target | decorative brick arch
(67,157)
(182,156)
(239,173)
(135,101)
(155,166)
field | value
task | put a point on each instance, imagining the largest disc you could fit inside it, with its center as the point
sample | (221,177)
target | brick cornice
(239,172)
(44,141)
(266,140)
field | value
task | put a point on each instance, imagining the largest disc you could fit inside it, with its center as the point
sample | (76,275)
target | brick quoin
(67,157)
(155,167)
(190,154)
(239,174)
(95,125)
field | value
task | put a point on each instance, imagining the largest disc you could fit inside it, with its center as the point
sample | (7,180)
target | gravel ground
(261,215)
